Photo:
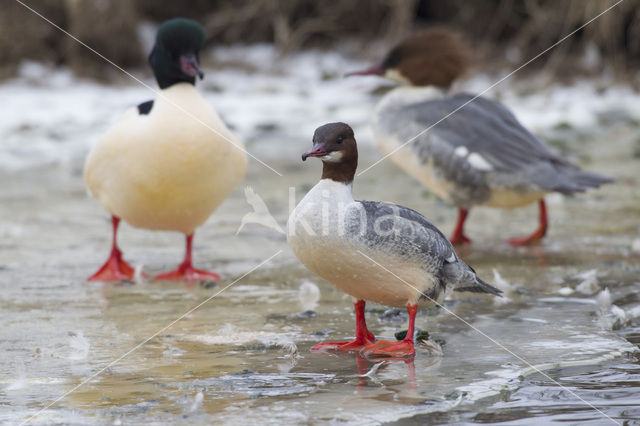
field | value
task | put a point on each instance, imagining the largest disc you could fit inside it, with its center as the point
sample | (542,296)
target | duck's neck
(165,84)
(343,171)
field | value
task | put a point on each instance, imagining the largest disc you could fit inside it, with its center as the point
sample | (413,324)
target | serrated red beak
(318,150)
(189,65)
(374,70)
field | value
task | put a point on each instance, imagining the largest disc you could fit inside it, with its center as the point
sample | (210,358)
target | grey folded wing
(475,141)
(399,231)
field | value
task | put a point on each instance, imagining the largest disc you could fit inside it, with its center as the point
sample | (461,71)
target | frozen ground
(244,357)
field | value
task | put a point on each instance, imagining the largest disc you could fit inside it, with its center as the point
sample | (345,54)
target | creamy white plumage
(169,169)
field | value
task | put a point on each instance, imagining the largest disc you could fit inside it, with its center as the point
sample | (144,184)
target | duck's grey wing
(400,231)
(480,142)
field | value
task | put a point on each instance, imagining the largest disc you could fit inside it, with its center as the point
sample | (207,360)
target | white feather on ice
(501,284)
(308,295)
(589,282)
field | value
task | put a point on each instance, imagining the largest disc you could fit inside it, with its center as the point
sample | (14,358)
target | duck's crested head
(175,56)
(332,143)
(434,57)
(335,145)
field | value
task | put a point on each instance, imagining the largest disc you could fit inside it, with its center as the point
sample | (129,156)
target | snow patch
(62,115)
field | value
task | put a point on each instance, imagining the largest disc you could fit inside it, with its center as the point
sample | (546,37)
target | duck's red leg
(539,233)
(186,271)
(458,236)
(115,268)
(363,336)
(396,349)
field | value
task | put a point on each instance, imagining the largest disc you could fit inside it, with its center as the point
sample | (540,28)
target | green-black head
(175,55)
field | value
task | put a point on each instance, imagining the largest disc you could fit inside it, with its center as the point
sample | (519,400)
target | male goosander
(371,250)
(169,163)
(480,155)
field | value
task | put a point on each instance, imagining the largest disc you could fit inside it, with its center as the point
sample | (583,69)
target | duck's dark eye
(339,140)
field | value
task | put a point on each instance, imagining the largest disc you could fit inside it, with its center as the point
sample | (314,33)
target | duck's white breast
(169,169)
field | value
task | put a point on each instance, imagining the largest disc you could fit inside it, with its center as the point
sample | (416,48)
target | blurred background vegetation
(505,32)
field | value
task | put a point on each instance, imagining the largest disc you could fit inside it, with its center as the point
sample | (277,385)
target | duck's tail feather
(575,180)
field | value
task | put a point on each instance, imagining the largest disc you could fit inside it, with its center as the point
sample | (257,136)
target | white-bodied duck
(373,251)
(168,163)
(480,155)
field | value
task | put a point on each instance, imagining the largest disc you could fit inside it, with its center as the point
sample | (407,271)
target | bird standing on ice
(169,163)
(373,251)
(470,151)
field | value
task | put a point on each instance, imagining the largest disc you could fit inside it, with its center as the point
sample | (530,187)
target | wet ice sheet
(247,351)
(236,351)
(472,368)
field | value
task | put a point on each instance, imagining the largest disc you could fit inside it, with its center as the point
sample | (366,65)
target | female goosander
(374,251)
(480,155)
(167,164)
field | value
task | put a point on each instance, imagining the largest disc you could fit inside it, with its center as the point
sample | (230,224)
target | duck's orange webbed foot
(349,345)
(404,349)
(539,233)
(532,239)
(114,269)
(363,336)
(186,272)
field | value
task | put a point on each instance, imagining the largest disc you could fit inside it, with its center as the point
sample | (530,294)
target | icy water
(554,349)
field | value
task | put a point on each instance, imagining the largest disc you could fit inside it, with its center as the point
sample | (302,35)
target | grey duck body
(478,155)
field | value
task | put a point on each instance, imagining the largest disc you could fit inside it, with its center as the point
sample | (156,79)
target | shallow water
(544,353)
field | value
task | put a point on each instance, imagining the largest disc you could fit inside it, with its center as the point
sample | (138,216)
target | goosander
(168,163)
(371,250)
(480,155)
